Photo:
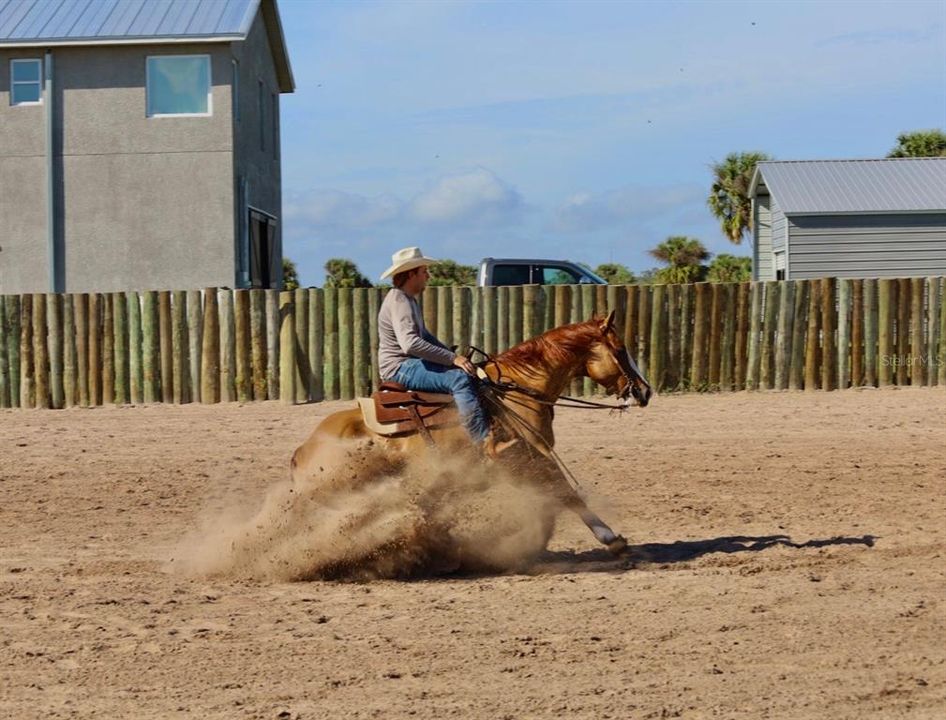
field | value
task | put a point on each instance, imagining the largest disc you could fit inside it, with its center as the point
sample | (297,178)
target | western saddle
(397,410)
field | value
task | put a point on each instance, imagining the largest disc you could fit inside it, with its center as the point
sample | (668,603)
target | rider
(410,355)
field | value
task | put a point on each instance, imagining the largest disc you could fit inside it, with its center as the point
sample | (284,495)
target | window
(178,85)
(558,276)
(26,82)
(510,275)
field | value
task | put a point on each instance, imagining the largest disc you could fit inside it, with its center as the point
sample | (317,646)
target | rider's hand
(464,364)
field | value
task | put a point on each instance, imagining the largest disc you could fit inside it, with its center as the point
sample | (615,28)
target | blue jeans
(432,377)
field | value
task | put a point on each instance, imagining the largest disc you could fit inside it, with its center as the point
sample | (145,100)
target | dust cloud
(367,515)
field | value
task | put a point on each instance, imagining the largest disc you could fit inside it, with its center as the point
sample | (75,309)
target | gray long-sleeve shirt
(402,335)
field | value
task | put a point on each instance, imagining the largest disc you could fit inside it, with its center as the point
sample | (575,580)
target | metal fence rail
(221,345)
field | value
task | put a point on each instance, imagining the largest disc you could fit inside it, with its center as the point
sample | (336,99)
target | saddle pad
(446,416)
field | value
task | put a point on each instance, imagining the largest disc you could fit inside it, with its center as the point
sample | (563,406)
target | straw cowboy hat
(406,259)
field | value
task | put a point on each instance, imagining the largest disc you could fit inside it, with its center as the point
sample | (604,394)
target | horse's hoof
(618,545)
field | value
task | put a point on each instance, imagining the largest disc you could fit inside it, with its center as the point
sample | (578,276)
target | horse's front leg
(572,499)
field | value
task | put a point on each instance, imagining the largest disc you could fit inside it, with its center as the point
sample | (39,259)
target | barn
(848,218)
(140,145)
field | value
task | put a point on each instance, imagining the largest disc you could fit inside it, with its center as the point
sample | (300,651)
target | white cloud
(335,208)
(584,212)
(477,196)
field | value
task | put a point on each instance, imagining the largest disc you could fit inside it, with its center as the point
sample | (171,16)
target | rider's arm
(412,339)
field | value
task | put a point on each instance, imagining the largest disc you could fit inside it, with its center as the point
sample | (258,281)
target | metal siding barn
(850,218)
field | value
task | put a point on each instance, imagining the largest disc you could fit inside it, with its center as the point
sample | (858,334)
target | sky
(575,130)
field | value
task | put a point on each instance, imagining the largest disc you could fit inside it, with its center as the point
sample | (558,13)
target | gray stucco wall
(867,245)
(762,268)
(256,152)
(145,202)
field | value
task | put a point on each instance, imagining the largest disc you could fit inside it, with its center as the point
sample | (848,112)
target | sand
(788,562)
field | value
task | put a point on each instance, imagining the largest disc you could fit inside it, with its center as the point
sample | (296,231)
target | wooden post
(617,298)
(195,344)
(933,288)
(135,370)
(528,311)
(4,366)
(886,306)
(870,332)
(330,374)
(360,346)
(95,348)
(753,359)
(40,351)
(489,320)
(588,297)
(444,329)
(374,307)
(428,303)
(769,327)
(783,340)
(150,350)
(941,362)
(243,378)
(917,356)
(672,371)
(179,347)
(812,339)
(165,354)
(476,318)
(345,364)
(210,350)
(81,307)
(844,334)
(715,333)
(316,335)
(575,315)
(287,348)
(258,344)
(108,348)
(644,307)
(54,319)
(630,319)
(742,335)
(11,312)
(829,317)
(27,368)
(227,346)
(273,326)
(502,319)
(686,334)
(700,356)
(726,360)
(122,357)
(796,367)
(658,337)
(903,330)
(857,333)
(462,300)
(300,310)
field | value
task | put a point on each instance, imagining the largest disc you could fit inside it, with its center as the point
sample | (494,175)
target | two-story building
(139,144)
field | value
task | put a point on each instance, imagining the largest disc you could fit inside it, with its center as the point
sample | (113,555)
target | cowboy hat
(406,259)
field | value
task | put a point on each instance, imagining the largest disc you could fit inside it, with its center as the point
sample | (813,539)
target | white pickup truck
(519,271)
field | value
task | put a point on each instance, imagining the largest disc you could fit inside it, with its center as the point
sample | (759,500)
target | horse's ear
(608,322)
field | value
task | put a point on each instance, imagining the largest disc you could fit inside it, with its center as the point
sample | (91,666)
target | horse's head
(610,364)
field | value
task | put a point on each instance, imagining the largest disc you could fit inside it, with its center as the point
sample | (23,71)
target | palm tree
(684,257)
(729,196)
(730,268)
(920,143)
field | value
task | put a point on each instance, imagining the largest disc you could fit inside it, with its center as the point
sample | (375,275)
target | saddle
(397,410)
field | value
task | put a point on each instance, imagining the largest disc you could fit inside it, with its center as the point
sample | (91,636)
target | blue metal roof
(57,21)
(827,187)
(45,23)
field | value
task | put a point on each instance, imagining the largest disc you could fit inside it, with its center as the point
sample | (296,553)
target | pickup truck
(517,271)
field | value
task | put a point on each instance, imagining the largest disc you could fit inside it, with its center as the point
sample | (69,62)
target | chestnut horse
(525,383)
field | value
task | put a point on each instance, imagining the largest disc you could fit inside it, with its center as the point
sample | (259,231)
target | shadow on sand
(681,551)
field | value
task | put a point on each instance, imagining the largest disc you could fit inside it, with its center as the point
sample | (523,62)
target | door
(264,250)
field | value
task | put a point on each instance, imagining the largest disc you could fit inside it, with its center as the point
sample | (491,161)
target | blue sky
(577,130)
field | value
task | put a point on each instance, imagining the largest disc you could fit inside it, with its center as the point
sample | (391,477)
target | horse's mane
(559,346)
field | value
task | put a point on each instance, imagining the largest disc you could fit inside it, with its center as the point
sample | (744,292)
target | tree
(729,195)
(449,272)
(730,268)
(615,274)
(340,272)
(290,277)
(684,257)
(920,143)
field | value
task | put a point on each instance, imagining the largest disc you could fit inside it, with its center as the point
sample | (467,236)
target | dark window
(547,275)
(263,250)
(779,274)
(510,275)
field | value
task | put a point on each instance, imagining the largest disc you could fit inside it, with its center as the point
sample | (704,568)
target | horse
(526,381)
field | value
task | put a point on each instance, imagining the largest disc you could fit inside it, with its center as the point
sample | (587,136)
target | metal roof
(854,186)
(46,23)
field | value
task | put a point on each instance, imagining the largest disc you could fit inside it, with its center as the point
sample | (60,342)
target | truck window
(510,275)
(556,276)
